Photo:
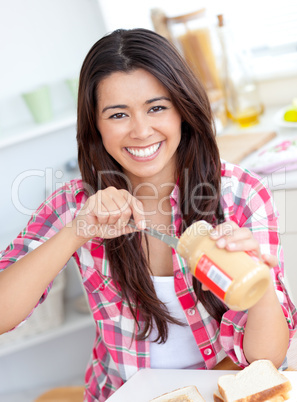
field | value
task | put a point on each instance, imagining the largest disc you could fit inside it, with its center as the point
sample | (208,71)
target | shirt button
(207,351)
(101,286)
(191,311)
(178,275)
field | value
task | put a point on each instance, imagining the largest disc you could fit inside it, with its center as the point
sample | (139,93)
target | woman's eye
(117,116)
(157,108)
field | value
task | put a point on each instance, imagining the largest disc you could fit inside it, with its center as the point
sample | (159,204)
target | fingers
(127,207)
(270,260)
(230,236)
(138,214)
(114,208)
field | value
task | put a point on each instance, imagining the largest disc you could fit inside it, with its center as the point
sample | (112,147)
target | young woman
(147,151)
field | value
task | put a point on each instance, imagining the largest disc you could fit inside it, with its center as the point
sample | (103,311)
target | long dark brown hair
(198,164)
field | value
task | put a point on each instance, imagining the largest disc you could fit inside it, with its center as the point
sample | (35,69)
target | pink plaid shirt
(116,355)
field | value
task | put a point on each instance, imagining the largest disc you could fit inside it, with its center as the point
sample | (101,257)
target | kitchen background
(43,44)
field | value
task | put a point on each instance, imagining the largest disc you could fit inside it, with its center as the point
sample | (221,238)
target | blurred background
(247,60)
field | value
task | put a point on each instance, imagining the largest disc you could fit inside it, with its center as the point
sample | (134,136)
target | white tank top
(180,350)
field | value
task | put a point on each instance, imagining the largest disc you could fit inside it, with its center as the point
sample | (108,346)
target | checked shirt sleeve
(252,207)
(49,218)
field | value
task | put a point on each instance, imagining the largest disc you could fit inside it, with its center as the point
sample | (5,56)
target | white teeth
(144,152)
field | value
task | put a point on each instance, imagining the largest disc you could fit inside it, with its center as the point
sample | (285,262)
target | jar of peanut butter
(238,278)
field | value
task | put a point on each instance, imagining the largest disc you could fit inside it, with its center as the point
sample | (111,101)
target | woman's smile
(144,153)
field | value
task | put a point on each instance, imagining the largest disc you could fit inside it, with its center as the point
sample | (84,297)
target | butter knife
(171,241)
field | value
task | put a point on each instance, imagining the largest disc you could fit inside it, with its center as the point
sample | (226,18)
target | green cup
(39,104)
(72,84)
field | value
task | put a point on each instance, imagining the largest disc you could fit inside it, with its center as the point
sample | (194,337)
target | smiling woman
(147,150)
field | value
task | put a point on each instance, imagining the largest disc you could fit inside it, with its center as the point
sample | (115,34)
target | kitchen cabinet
(51,40)
(40,156)
(54,358)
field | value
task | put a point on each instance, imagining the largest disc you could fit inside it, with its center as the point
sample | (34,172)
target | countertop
(139,388)
(281,178)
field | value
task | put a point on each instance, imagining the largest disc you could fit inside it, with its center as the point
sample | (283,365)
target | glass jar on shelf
(193,34)
(243,103)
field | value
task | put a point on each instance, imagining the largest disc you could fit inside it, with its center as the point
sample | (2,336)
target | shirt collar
(174,195)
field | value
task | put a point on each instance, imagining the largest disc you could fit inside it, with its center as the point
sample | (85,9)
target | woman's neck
(154,193)
(151,187)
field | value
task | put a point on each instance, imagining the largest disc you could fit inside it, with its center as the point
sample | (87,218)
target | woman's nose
(141,128)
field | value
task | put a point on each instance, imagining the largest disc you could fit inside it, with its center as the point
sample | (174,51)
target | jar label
(212,276)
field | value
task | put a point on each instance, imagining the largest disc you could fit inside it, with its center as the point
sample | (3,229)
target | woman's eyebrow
(114,107)
(157,99)
(149,101)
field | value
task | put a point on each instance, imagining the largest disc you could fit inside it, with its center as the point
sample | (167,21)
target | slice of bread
(258,382)
(185,394)
(217,397)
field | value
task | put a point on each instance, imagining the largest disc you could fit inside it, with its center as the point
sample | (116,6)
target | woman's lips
(144,153)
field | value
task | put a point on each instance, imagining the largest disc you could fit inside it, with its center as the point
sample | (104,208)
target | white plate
(279,118)
(147,384)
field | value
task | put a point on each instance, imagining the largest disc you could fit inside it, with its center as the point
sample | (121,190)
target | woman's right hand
(106,214)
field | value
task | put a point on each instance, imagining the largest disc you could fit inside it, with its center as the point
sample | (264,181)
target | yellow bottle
(237,278)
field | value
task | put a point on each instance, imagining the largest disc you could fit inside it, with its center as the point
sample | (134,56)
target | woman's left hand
(230,236)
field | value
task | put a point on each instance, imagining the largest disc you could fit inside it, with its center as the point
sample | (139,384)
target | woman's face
(139,125)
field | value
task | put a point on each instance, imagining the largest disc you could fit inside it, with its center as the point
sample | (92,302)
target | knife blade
(171,241)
